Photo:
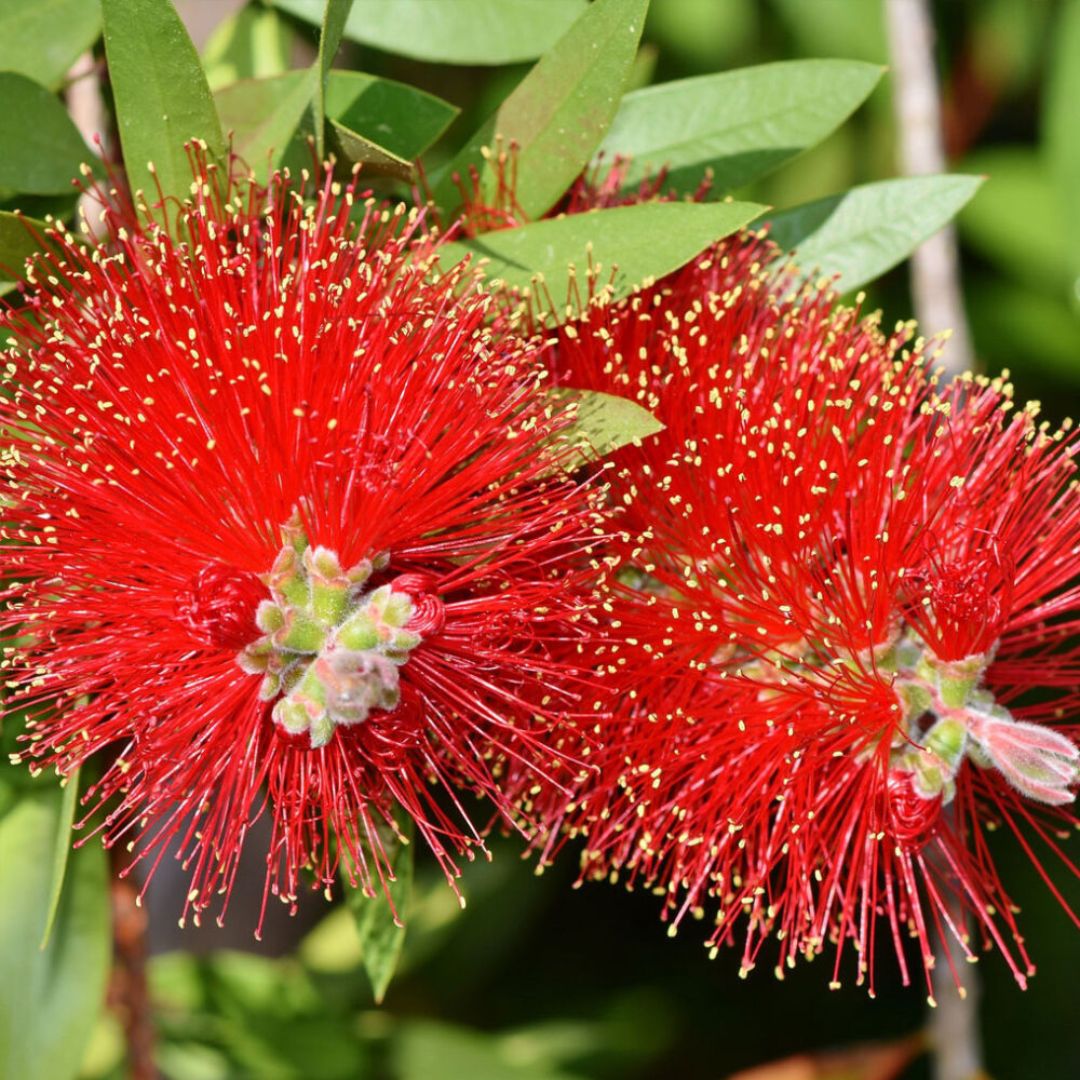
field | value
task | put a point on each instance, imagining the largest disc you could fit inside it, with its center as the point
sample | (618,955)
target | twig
(935,265)
(128,991)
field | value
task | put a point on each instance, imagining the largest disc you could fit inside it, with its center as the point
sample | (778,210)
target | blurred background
(537,980)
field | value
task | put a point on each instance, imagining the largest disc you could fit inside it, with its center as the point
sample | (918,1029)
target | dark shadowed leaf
(42,149)
(49,998)
(43,38)
(162,97)
(742,124)
(381,935)
(865,231)
(558,113)
(627,246)
(460,32)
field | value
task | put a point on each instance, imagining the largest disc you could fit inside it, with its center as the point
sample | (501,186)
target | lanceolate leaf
(602,422)
(42,149)
(627,246)
(49,998)
(742,124)
(61,852)
(162,97)
(865,231)
(458,32)
(43,38)
(381,935)
(559,112)
(333,25)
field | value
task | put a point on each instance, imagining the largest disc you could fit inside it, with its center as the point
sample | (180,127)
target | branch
(935,265)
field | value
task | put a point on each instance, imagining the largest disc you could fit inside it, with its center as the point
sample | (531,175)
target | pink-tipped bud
(1041,763)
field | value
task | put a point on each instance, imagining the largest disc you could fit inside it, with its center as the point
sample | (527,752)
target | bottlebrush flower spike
(844,584)
(283,535)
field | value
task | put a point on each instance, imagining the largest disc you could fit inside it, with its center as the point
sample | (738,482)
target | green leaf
(382,936)
(865,231)
(49,998)
(602,422)
(628,246)
(253,43)
(377,160)
(460,32)
(61,852)
(424,1049)
(400,118)
(264,115)
(269,117)
(742,124)
(43,38)
(42,147)
(1020,328)
(1030,246)
(1060,134)
(162,97)
(333,25)
(559,112)
(19,239)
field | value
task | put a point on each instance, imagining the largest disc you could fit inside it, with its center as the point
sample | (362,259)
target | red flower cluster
(284,534)
(844,584)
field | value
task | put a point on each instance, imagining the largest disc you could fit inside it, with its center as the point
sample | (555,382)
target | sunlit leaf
(865,231)
(742,124)
(162,97)
(49,998)
(61,852)
(460,32)
(602,422)
(43,38)
(558,113)
(264,115)
(626,246)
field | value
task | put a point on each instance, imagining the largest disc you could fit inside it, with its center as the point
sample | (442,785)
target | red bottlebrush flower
(843,585)
(283,533)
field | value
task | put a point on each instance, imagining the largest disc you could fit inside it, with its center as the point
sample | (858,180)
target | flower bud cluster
(330,651)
